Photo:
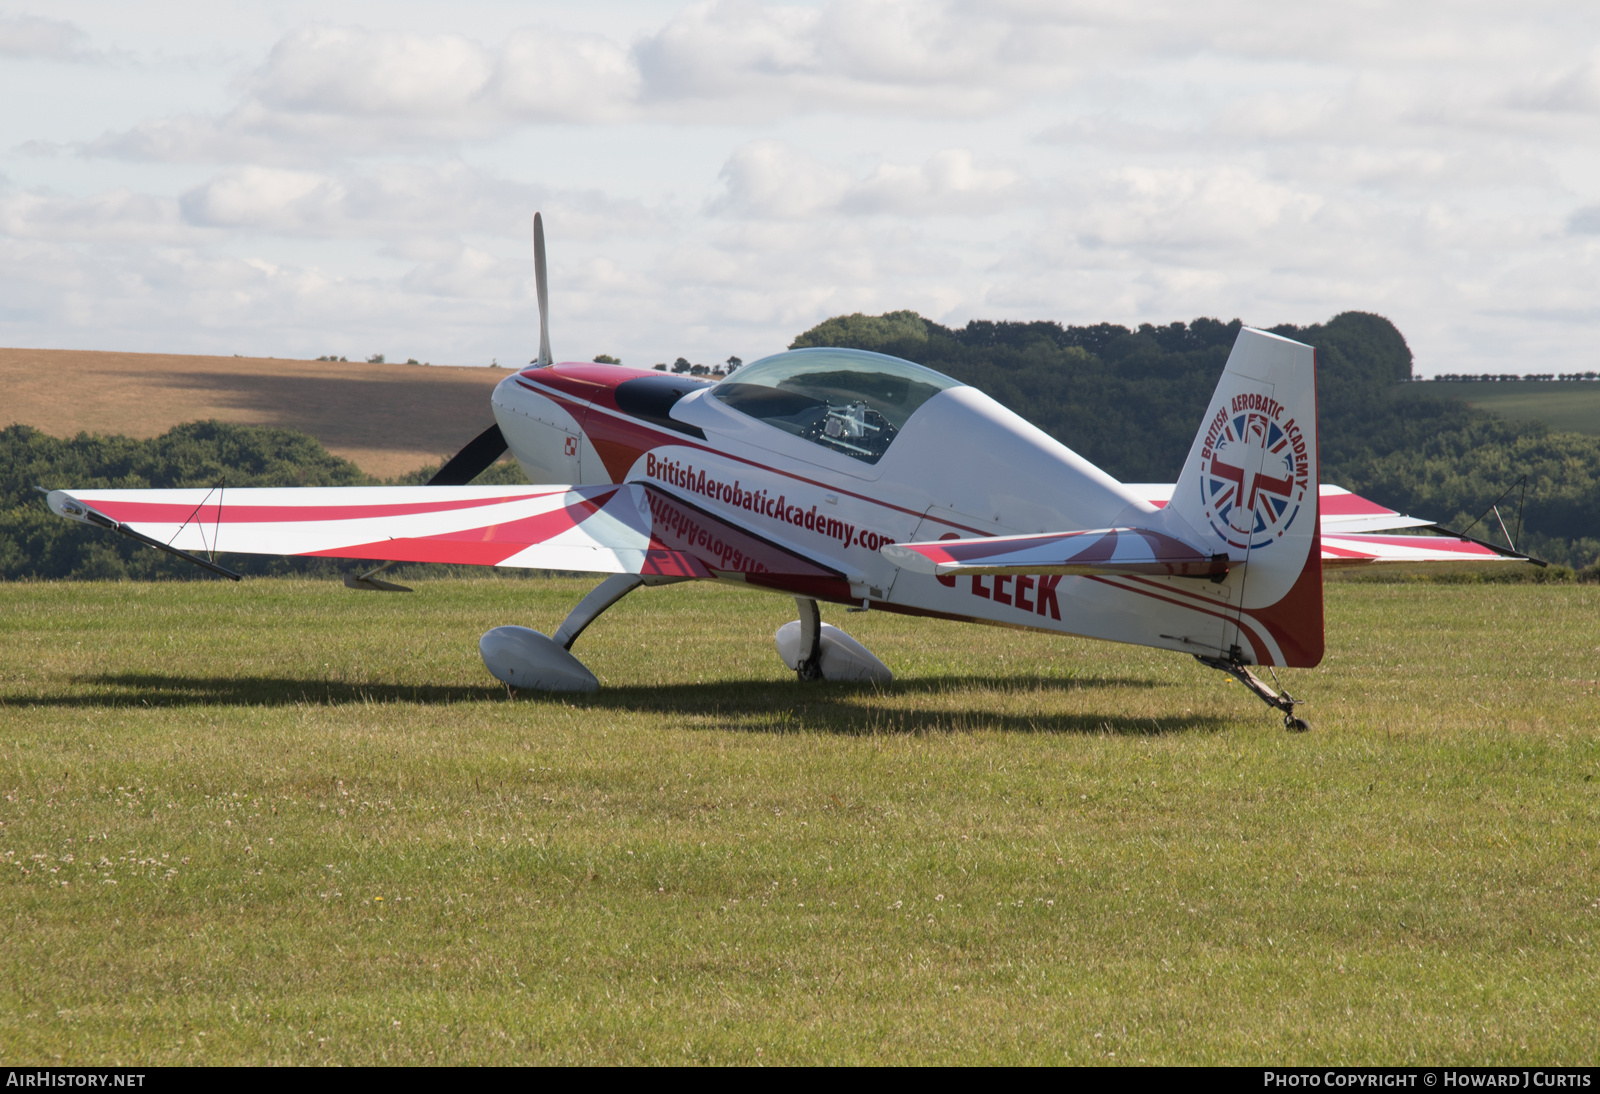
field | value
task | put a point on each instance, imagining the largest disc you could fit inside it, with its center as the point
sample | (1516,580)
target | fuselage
(961,465)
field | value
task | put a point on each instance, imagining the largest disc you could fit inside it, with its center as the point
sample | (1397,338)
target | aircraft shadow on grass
(761,706)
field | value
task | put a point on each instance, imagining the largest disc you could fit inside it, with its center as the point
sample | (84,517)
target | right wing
(1343,551)
(1349,525)
(617,528)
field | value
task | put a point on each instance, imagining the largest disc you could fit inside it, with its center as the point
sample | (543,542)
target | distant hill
(1571,405)
(387,419)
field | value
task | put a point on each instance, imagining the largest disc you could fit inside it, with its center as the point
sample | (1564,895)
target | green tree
(35,543)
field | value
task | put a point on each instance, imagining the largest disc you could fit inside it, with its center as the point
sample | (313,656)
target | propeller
(477,457)
(483,450)
(542,285)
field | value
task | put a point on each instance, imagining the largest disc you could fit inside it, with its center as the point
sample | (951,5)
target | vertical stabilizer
(1249,490)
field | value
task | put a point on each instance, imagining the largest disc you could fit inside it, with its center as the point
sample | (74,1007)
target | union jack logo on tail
(1249,488)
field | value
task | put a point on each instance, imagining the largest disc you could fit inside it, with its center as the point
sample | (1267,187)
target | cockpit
(849,400)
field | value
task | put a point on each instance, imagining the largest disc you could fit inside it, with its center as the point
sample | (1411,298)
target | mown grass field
(285,822)
(1570,405)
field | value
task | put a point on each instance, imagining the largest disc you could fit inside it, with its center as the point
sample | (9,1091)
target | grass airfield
(285,822)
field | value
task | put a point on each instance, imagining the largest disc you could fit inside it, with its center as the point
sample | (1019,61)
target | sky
(347,177)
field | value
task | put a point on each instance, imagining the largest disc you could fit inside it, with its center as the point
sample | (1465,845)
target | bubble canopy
(850,400)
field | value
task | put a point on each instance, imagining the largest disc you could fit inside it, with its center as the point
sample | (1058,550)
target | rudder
(1249,490)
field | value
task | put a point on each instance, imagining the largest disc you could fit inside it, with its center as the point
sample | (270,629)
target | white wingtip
(63,504)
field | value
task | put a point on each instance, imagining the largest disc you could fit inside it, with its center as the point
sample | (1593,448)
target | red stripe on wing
(149,512)
(1340,552)
(1352,505)
(487,545)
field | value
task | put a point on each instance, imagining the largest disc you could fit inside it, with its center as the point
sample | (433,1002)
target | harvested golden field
(387,419)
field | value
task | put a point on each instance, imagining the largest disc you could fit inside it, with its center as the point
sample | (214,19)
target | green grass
(1570,405)
(285,822)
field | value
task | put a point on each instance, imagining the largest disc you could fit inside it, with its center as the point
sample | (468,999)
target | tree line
(1505,377)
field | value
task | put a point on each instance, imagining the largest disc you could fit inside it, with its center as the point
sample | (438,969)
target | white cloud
(118,215)
(950,181)
(326,90)
(741,58)
(738,170)
(469,274)
(325,93)
(387,206)
(134,298)
(32,37)
(772,179)
(259,197)
(1184,207)
(1585,221)
(373,74)
(395,203)
(1576,91)
(542,75)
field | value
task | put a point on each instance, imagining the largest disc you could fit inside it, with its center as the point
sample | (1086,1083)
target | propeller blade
(477,457)
(541,283)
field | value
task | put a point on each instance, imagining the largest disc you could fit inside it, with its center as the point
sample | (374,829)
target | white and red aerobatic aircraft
(857,479)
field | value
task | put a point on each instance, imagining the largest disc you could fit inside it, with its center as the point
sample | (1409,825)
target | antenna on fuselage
(541,285)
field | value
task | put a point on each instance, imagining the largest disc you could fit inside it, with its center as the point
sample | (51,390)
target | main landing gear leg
(1277,700)
(816,651)
(810,666)
(605,594)
(523,658)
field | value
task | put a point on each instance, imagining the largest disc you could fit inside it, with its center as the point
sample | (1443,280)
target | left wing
(616,528)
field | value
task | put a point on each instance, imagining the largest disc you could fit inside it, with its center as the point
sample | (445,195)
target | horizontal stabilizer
(1102,551)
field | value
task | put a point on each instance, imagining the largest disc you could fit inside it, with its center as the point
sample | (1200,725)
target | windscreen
(849,400)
